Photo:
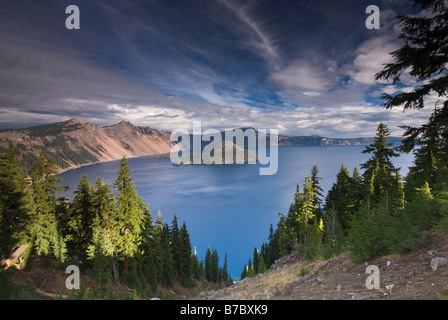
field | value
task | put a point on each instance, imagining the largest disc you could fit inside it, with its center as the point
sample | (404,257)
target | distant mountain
(322,141)
(76,142)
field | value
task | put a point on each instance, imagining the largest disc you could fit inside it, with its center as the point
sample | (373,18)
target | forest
(108,232)
(379,211)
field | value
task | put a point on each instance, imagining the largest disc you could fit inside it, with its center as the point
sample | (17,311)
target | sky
(302,67)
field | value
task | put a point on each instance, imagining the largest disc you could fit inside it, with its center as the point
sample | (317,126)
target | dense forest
(378,211)
(111,237)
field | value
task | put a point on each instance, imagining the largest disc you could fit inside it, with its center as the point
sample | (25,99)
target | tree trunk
(14,256)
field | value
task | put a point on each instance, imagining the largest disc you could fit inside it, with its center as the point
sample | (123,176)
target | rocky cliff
(76,142)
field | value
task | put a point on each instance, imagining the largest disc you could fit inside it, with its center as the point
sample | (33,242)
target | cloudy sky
(303,67)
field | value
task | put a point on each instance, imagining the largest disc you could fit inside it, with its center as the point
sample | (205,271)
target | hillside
(408,276)
(76,142)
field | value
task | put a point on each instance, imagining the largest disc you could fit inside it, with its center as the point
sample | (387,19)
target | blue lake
(228,207)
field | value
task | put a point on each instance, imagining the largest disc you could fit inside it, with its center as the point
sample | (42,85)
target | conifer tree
(208,265)
(102,247)
(315,184)
(423,57)
(379,167)
(81,216)
(338,201)
(167,271)
(15,203)
(185,258)
(255,261)
(261,265)
(45,232)
(130,214)
(225,273)
(175,245)
(148,247)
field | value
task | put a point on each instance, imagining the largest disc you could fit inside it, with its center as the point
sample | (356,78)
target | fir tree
(130,214)
(315,184)
(424,57)
(255,261)
(102,248)
(185,258)
(167,271)
(81,216)
(379,169)
(15,203)
(175,245)
(45,232)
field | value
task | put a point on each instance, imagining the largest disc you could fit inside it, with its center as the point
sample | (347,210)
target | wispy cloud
(257,39)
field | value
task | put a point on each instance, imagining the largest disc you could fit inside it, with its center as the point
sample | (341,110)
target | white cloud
(304,75)
(370,59)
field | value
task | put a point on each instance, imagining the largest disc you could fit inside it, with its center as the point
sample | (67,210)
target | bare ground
(405,276)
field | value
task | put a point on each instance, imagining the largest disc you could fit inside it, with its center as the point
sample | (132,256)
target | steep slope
(406,276)
(76,142)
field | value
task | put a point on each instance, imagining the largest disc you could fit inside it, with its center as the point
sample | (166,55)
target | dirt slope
(402,276)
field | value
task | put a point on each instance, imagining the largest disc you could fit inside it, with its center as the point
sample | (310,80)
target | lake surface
(228,207)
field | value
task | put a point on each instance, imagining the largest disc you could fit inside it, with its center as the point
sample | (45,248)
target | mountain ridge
(76,142)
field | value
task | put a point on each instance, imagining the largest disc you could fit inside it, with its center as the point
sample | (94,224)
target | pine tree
(81,216)
(424,57)
(379,167)
(148,247)
(45,232)
(282,236)
(225,273)
(261,265)
(338,201)
(15,203)
(130,214)
(175,245)
(102,248)
(208,265)
(255,261)
(185,259)
(215,266)
(315,184)
(167,278)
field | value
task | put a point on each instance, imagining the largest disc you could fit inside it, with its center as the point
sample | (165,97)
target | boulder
(438,262)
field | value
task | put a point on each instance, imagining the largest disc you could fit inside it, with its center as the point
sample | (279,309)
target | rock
(390,287)
(286,291)
(339,287)
(438,262)
(351,295)
(274,292)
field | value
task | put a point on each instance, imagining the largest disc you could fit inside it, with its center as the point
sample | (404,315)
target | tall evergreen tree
(379,172)
(185,259)
(130,214)
(102,247)
(338,200)
(167,271)
(81,215)
(15,203)
(175,245)
(45,232)
(424,57)
(315,184)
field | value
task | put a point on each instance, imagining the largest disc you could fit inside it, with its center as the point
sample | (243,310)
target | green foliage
(45,231)
(11,291)
(303,271)
(16,203)
(114,237)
